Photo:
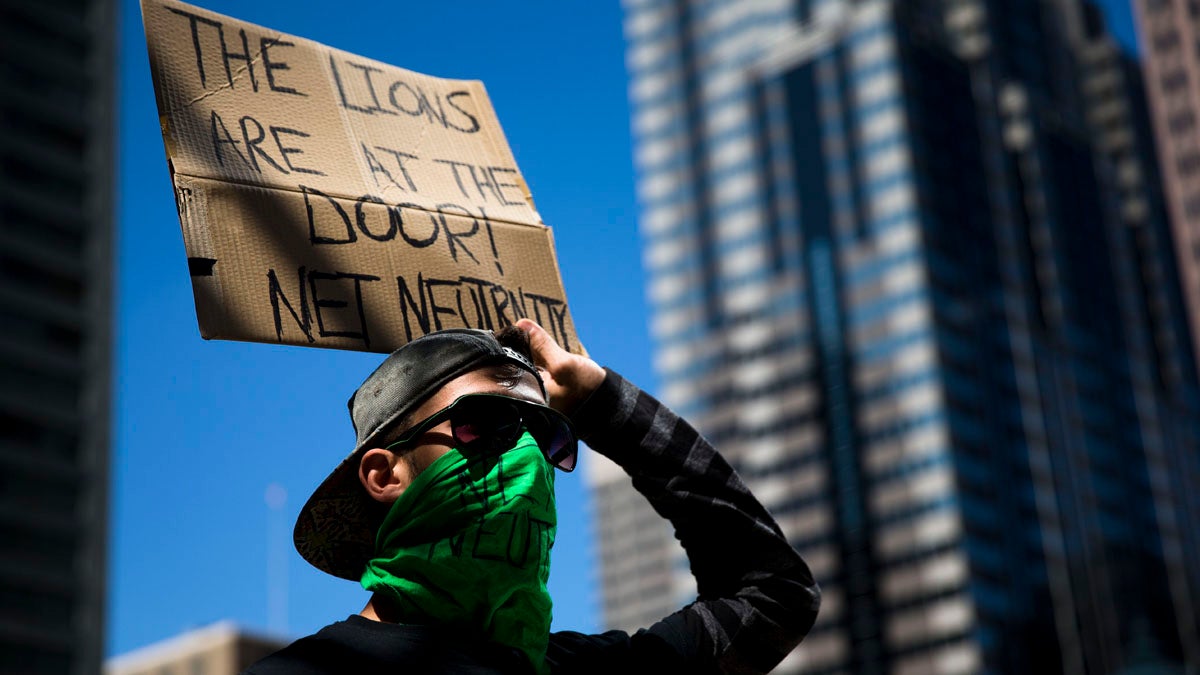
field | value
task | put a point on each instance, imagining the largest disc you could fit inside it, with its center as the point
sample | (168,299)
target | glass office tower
(57,82)
(900,276)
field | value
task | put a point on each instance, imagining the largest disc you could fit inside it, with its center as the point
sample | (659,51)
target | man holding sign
(445,513)
(328,200)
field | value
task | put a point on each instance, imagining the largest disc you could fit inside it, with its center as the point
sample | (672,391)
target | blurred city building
(57,162)
(219,649)
(911,269)
(1170,40)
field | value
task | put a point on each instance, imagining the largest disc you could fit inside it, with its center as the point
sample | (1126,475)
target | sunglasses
(492,423)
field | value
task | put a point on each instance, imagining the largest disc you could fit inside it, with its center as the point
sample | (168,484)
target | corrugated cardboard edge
(502,147)
(581,350)
(192,205)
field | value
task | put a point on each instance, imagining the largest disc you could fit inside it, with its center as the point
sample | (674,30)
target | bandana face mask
(467,544)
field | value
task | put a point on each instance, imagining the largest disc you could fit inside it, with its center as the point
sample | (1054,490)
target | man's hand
(570,378)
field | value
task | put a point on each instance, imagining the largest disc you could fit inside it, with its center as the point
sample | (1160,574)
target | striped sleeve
(756,596)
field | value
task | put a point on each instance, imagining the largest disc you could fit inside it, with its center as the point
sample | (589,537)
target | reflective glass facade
(897,279)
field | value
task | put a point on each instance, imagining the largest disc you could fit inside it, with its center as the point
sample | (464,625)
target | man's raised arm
(757,597)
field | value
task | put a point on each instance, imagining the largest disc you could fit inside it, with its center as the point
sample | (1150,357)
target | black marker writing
(484,179)
(378,167)
(474,303)
(265,45)
(270,64)
(408,222)
(195,22)
(362,89)
(333,304)
(327,296)
(249,149)
(284,151)
(513,536)
(335,298)
(302,318)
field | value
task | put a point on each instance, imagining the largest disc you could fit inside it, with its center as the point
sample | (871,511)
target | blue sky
(204,428)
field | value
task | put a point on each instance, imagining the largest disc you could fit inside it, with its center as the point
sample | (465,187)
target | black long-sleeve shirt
(756,596)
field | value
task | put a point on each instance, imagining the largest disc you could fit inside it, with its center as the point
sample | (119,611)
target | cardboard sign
(329,200)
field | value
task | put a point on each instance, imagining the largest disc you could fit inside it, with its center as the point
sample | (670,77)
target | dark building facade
(911,269)
(1169,32)
(57,124)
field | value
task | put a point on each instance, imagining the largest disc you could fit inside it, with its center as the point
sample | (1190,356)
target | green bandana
(467,544)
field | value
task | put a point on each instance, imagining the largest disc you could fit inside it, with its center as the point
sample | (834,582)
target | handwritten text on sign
(334,201)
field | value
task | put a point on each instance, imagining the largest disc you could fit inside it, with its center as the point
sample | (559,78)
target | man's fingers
(570,378)
(540,342)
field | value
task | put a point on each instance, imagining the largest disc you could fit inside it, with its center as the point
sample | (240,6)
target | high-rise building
(57,127)
(909,269)
(1170,35)
(219,649)
(1121,126)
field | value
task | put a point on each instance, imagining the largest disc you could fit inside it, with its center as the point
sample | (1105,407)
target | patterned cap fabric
(335,531)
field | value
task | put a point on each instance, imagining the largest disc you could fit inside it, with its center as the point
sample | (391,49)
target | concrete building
(1112,86)
(219,649)
(57,162)
(903,274)
(1169,33)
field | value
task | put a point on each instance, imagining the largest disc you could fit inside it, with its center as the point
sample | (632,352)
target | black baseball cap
(336,529)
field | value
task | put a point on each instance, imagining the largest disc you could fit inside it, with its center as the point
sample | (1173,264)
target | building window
(1188,163)
(1166,41)
(1191,208)
(1174,81)
(1181,121)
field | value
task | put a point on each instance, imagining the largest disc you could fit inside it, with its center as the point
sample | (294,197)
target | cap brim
(335,531)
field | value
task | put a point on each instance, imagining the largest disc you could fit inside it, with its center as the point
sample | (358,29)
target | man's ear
(383,475)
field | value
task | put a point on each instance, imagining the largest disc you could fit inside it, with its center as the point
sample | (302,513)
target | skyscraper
(901,275)
(1169,34)
(57,81)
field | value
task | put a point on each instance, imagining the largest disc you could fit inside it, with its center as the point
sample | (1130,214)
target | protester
(445,513)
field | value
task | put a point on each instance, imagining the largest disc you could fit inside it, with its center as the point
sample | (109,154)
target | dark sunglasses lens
(562,450)
(556,440)
(487,424)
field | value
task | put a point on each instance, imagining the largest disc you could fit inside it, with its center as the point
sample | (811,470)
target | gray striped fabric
(757,598)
